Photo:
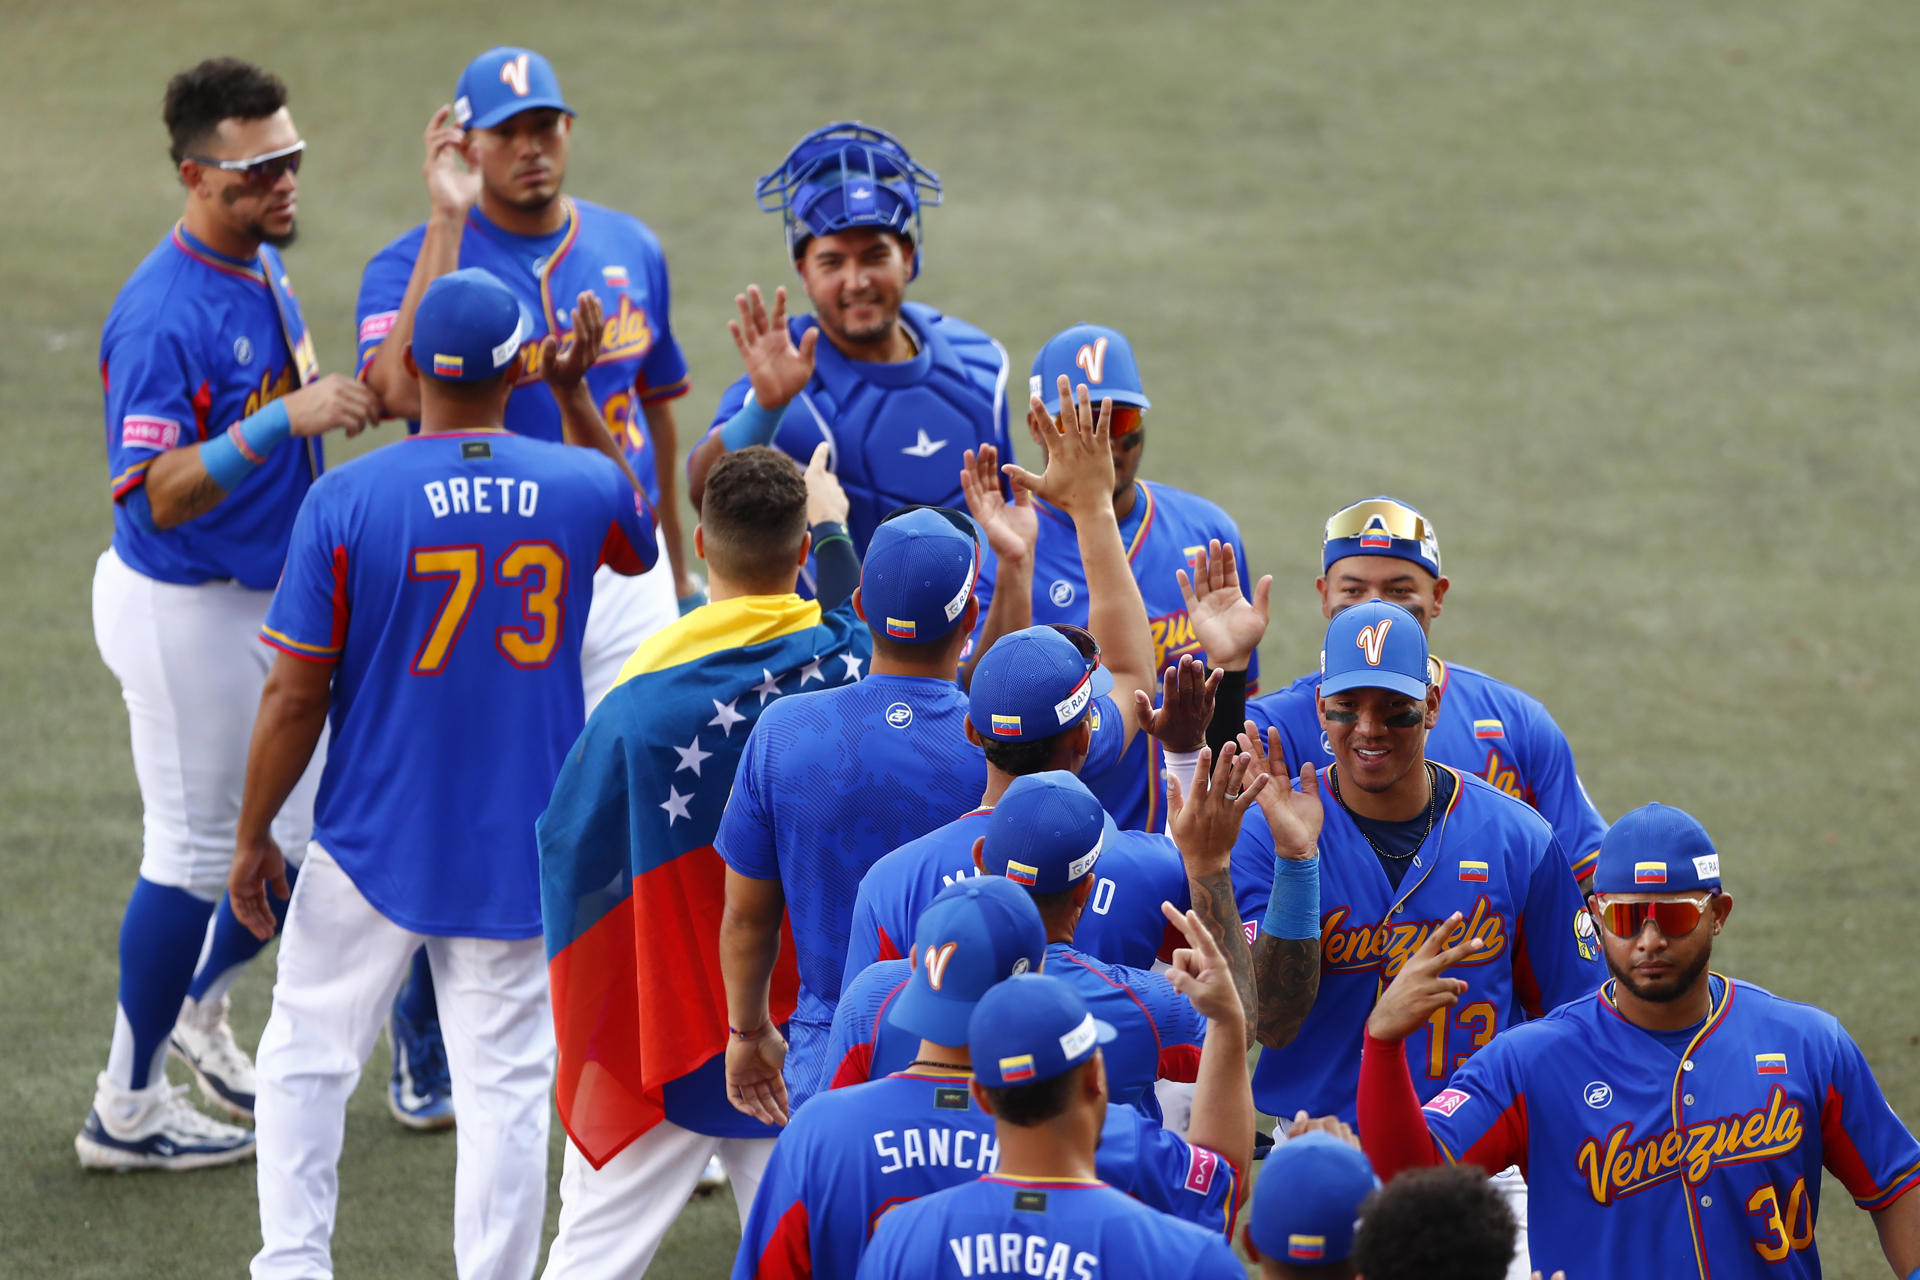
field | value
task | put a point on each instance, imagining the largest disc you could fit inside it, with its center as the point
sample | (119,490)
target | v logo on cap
(937,958)
(1373,639)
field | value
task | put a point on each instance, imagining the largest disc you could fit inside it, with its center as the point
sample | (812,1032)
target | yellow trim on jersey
(712,628)
(278,637)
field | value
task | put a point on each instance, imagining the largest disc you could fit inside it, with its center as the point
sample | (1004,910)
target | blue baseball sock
(416,1001)
(160,939)
(231,944)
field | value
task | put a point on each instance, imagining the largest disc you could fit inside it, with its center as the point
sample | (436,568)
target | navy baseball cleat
(203,1040)
(420,1095)
(155,1128)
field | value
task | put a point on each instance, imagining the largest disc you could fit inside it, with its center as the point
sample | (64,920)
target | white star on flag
(853,666)
(691,756)
(727,718)
(676,806)
(811,672)
(767,687)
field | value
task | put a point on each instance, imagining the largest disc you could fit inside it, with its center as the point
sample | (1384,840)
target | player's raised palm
(1205,825)
(1012,528)
(1186,705)
(563,365)
(1421,986)
(776,368)
(452,188)
(1079,474)
(1294,817)
(826,499)
(1228,626)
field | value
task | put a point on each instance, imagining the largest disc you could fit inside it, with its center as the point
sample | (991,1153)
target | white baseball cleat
(155,1128)
(712,1178)
(203,1040)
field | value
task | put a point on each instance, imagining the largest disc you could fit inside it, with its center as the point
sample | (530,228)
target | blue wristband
(1293,911)
(231,456)
(754,424)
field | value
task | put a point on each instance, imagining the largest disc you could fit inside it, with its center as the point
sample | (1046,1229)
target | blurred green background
(1621,295)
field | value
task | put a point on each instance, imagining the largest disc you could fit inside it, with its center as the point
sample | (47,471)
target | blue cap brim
(513,108)
(1392,681)
(1102,684)
(922,1011)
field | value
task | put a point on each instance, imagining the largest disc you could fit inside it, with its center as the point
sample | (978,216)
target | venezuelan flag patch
(1474,872)
(901,628)
(1306,1248)
(1489,729)
(1006,726)
(1015,1069)
(1021,873)
(446,366)
(1770,1064)
(1649,873)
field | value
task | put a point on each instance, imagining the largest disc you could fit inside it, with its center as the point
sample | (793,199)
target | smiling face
(1357,579)
(1378,736)
(522,161)
(856,280)
(247,210)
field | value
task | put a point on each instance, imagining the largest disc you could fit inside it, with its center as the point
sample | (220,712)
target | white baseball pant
(341,962)
(191,664)
(626,610)
(613,1219)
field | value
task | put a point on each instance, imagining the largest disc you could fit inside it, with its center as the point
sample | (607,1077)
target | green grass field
(1622,295)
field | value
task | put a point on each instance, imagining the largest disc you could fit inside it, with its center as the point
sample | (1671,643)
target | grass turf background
(1622,296)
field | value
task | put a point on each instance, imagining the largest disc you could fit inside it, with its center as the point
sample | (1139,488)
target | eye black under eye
(1404,719)
(1342,717)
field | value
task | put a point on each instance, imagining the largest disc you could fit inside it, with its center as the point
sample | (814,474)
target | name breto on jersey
(482,495)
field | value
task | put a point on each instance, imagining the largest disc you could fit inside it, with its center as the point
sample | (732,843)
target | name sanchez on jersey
(946,1148)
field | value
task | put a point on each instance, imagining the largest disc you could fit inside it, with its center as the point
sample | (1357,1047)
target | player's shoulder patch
(1448,1101)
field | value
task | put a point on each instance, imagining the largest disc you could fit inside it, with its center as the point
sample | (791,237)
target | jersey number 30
(537,568)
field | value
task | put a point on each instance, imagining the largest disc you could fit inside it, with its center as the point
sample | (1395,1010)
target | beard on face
(278,239)
(871,336)
(1666,990)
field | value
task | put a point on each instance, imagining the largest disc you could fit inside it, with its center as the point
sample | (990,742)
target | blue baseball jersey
(862,1045)
(612,253)
(1492,859)
(1122,923)
(853,1154)
(896,430)
(830,781)
(448,580)
(1487,728)
(1167,530)
(1160,1032)
(1005,1225)
(1651,1155)
(197,341)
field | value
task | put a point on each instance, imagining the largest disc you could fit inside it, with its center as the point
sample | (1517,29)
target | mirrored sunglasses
(262,171)
(1677,917)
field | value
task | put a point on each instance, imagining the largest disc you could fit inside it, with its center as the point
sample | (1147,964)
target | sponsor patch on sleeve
(137,431)
(1201,1164)
(378,326)
(1447,1101)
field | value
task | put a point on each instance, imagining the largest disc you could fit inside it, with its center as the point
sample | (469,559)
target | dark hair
(218,89)
(754,514)
(1027,1105)
(1435,1224)
(1018,759)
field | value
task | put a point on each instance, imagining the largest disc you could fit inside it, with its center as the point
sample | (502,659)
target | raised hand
(1199,970)
(452,188)
(826,500)
(1079,474)
(778,370)
(1205,824)
(564,365)
(1420,987)
(332,402)
(1228,626)
(754,1081)
(1293,816)
(1012,528)
(1186,705)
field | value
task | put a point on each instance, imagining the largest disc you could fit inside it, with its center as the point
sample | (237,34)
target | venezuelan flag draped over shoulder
(631,888)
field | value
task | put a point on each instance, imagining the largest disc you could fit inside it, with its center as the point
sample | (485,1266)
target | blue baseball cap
(1375,645)
(504,82)
(920,571)
(1656,849)
(1036,683)
(977,932)
(1306,1205)
(1045,833)
(1381,526)
(1094,354)
(1031,1028)
(468,327)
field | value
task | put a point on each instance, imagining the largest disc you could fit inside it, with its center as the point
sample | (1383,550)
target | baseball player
(1441,1224)
(641,1084)
(1676,1121)
(1382,549)
(1392,845)
(899,390)
(831,779)
(855,1152)
(434,599)
(1038,1070)
(1166,532)
(214,406)
(1308,1205)
(496,160)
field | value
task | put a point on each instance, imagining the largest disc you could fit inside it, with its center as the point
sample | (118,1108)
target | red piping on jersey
(218,261)
(1159,1049)
(553,260)
(660,395)
(1146,521)
(935,1077)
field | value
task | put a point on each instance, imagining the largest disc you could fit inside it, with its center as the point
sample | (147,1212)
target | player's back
(1160,1032)
(1007,1225)
(830,782)
(456,574)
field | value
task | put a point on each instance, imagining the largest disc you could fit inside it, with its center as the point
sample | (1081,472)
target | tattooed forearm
(1214,903)
(1286,973)
(179,488)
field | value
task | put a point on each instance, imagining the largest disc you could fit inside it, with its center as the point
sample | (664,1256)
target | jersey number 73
(538,568)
